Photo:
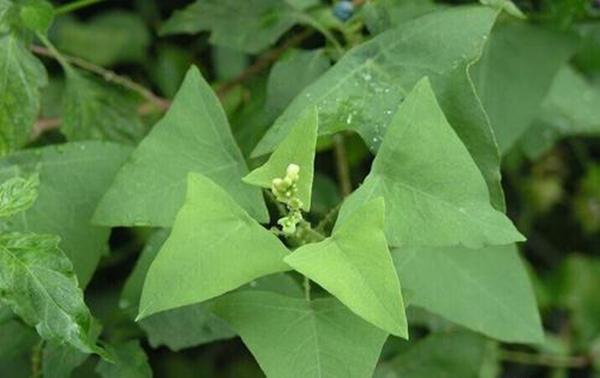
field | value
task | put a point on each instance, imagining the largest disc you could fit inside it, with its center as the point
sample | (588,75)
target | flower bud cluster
(286,191)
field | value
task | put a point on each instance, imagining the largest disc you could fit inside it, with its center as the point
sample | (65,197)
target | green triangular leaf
(292,337)
(193,136)
(73,178)
(486,290)
(297,148)
(214,247)
(179,328)
(434,193)
(355,265)
(38,283)
(363,90)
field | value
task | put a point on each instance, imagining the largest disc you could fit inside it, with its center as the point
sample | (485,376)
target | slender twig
(108,75)
(263,62)
(545,359)
(75,5)
(341,160)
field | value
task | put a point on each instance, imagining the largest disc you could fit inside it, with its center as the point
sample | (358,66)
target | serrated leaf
(447,354)
(486,290)
(21,77)
(94,110)
(433,191)
(250,25)
(38,283)
(514,74)
(130,362)
(215,246)
(297,148)
(570,109)
(355,265)
(18,194)
(293,337)
(193,136)
(37,15)
(362,91)
(73,178)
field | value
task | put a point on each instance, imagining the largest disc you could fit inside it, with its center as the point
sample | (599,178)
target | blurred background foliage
(551,176)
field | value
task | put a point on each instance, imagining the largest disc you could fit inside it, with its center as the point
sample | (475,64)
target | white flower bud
(292,172)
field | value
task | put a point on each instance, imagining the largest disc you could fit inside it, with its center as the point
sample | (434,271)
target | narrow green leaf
(355,265)
(515,73)
(297,148)
(193,136)
(433,191)
(37,15)
(38,283)
(362,91)
(292,337)
(18,194)
(486,290)
(130,362)
(21,77)
(214,247)
(448,354)
(250,25)
(73,178)
(94,110)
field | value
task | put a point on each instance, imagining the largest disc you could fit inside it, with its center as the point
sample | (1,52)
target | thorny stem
(545,359)
(75,5)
